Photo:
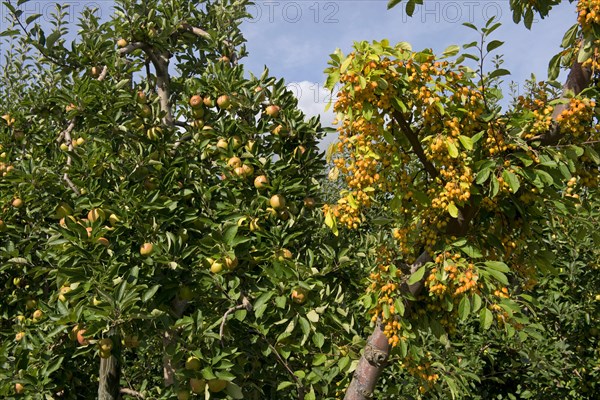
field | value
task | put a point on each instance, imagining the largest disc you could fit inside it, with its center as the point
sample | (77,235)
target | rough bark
(110,377)
(376,351)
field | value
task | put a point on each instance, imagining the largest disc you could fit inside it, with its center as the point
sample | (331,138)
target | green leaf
(513,181)
(148,294)
(451,51)
(498,73)
(318,339)
(570,36)
(466,142)
(452,150)
(417,276)
(345,64)
(498,266)
(410,7)
(486,318)
(476,303)
(452,210)
(393,3)
(284,384)
(494,44)
(499,276)
(464,308)
(229,233)
(554,67)
(313,316)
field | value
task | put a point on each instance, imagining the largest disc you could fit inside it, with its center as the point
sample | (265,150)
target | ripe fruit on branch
(113,219)
(299,295)
(17,203)
(208,102)
(216,267)
(223,144)
(217,385)
(284,254)
(196,101)
(183,395)
(95,72)
(37,315)
(62,291)
(193,363)
(30,304)
(309,203)
(103,241)
(231,263)
(19,336)
(19,388)
(260,182)
(121,43)
(277,201)
(197,385)
(236,142)
(146,111)
(63,210)
(140,98)
(272,111)
(146,249)
(105,344)
(223,102)
(234,162)
(247,170)
(81,339)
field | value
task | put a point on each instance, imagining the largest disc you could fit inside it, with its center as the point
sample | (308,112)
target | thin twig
(245,305)
(103,73)
(195,30)
(287,367)
(131,47)
(132,392)
(66,135)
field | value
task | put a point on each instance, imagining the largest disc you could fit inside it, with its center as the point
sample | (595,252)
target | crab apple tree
(457,190)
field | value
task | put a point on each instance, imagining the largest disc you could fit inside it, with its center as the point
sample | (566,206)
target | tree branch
(132,392)
(185,27)
(66,136)
(131,47)
(245,304)
(416,145)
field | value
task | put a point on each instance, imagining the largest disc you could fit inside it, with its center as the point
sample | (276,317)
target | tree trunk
(110,377)
(376,351)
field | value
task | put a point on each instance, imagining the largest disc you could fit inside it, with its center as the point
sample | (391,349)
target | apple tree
(160,230)
(458,190)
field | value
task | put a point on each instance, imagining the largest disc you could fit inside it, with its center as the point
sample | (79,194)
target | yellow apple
(193,363)
(261,181)
(277,202)
(146,249)
(272,111)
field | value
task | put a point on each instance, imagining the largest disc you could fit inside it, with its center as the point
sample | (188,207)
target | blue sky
(294,38)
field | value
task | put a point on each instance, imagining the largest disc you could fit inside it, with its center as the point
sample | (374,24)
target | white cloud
(312,100)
